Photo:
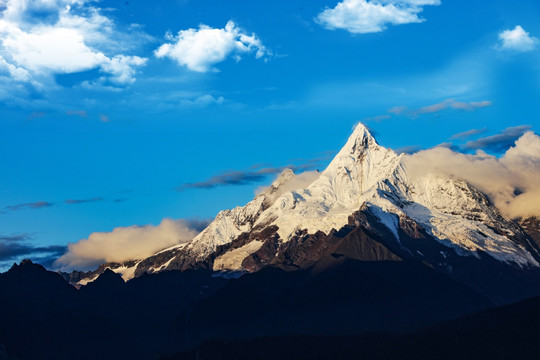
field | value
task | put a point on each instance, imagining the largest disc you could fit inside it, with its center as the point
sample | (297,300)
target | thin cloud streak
(14,238)
(499,142)
(468,134)
(33,205)
(438,107)
(256,174)
(233,178)
(410,149)
(83,201)
(80,113)
(15,247)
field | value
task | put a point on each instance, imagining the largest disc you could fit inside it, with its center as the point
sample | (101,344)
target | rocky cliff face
(531,226)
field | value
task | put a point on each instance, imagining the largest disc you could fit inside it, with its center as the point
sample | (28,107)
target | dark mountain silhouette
(509,332)
(365,249)
(46,318)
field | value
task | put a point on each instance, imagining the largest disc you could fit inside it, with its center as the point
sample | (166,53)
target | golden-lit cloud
(512,181)
(127,243)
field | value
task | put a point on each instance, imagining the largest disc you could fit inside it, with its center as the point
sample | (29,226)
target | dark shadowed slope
(509,332)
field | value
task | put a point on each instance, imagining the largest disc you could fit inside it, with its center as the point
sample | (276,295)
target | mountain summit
(367,204)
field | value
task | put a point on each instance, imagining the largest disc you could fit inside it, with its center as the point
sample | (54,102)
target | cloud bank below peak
(364,16)
(128,243)
(510,181)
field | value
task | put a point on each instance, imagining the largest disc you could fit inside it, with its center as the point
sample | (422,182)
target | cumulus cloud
(517,39)
(127,243)
(364,16)
(510,181)
(43,38)
(200,49)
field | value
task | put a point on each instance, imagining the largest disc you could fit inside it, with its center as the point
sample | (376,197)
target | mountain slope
(436,219)
(501,333)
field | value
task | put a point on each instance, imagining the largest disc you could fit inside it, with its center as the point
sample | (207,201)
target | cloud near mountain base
(127,243)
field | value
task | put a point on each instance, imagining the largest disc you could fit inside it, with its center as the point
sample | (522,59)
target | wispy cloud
(201,49)
(468,134)
(32,205)
(470,106)
(410,149)
(438,107)
(364,16)
(430,109)
(377,118)
(15,247)
(398,110)
(36,115)
(80,113)
(499,142)
(255,174)
(14,238)
(202,101)
(233,178)
(517,39)
(448,145)
(83,201)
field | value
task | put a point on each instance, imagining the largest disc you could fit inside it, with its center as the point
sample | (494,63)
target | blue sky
(117,113)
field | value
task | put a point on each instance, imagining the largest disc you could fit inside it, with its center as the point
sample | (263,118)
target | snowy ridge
(349,181)
(365,173)
(363,176)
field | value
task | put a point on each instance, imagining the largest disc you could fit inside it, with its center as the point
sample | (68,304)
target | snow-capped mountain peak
(366,178)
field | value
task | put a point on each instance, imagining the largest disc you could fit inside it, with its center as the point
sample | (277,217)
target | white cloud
(294,182)
(202,101)
(17,73)
(364,16)
(122,68)
(511,181)
(56,50)
(200,49)
(517,39)
(66,36)
(126,243)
